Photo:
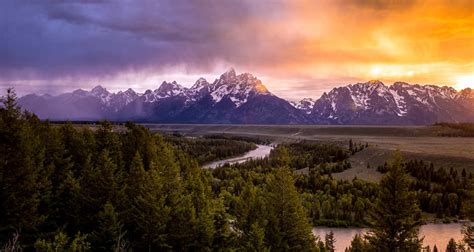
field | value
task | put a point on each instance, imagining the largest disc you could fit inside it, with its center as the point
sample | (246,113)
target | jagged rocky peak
(99,91)
(467,93)
(228,76)
(129,92)
(242,81)
(147,92)
(80,92)
(170,89)
(375,85)
(238,88)
(375,82)
(200,83)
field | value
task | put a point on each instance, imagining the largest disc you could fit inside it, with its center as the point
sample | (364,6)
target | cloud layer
(295,46)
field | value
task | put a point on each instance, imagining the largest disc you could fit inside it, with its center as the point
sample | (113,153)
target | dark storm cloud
(59,39)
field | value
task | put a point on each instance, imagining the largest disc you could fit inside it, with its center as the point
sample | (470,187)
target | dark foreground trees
(63,186)
(273,217)
(73,188)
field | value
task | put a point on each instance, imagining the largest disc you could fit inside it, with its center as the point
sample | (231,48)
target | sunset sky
(297,48)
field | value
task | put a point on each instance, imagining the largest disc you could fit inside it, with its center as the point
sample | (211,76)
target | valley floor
(415,142)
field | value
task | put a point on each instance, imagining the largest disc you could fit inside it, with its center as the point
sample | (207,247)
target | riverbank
(260,152)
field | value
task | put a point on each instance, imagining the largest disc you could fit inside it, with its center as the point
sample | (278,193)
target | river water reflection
(260,152)
(438,234)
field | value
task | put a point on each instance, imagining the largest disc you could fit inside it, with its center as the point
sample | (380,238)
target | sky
(297,48)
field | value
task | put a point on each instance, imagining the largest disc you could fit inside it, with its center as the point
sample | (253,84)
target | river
(260,152)
(438,234)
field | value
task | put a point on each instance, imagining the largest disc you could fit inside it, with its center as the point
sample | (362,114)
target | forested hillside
(73,189)
(67,188)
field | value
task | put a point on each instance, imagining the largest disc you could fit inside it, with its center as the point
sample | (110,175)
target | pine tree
(395,218)
(224,235)
(280,157)
(249,217)
(109,230)
(105,179)
(357,244)
(145,212)
(288,227)
(329,241)
(205,207)
(451,247)
(256,239)
(66,202)
(108,140)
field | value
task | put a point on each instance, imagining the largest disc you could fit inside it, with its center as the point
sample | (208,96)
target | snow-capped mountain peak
(123,98)
(306,105)
(200,84)
(227,77)
(99,91)
(168,89)
(238,88)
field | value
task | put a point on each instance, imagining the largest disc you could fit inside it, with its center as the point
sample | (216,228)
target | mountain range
(243,99)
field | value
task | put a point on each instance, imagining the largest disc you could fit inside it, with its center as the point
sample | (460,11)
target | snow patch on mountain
(306,105)
(400,102)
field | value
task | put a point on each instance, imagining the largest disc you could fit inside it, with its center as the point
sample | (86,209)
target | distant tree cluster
(310,155)
(356,147)
(456,129)
(248,139)
(438,190)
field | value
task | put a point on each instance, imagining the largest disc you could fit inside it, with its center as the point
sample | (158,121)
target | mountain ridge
(243,99)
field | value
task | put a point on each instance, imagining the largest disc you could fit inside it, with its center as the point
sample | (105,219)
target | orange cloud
(415,41)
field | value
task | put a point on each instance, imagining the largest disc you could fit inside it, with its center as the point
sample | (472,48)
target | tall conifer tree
(396,217)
